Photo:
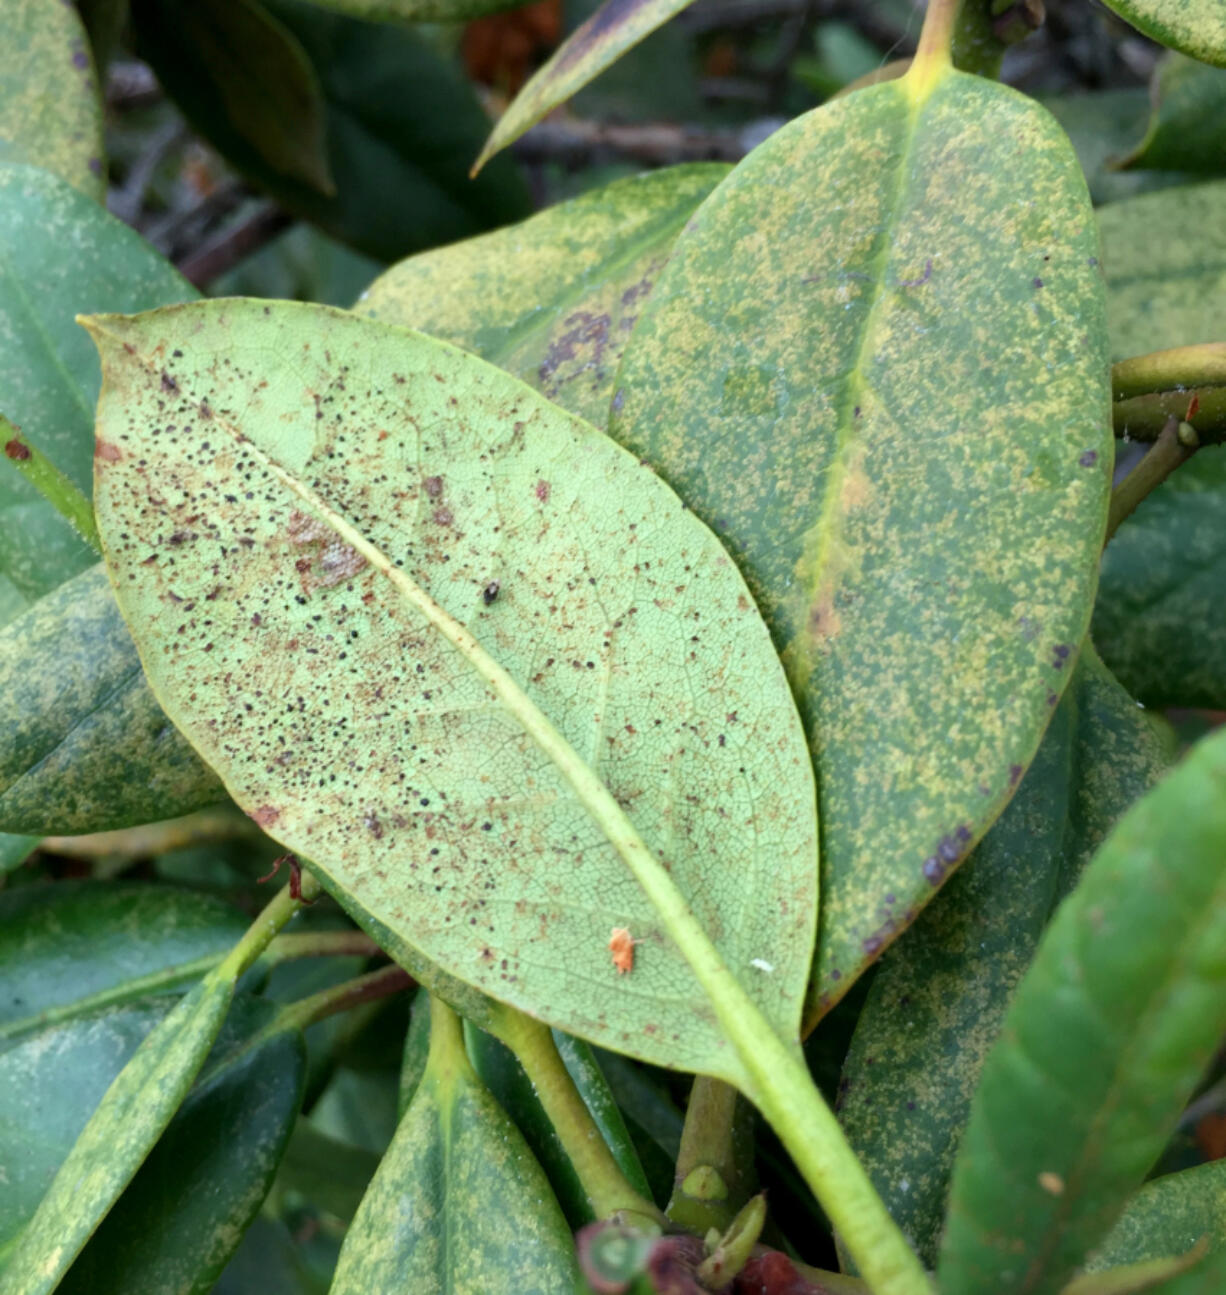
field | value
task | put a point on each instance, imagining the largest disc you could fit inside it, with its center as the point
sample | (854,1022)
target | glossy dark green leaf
(85,746)
(50,1084)
(842,382)
(180,1220)
(1168,1216)
(15,850)
(937,1001)
(615,27)
(653,604)
(75,940)
(262,81)
(1187,126)
(1196,27)
(132,1114)
(416,10)
(457,1168)
(399,187)
(551,300)
(1103,125)
(48,371)
(1160,620)
(50,106)
(269,1260)
(1105,1039)
(331,1174)
(502,1074)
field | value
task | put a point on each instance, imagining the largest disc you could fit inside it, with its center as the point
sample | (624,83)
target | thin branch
(574,142)
(233,244)
(1176,444)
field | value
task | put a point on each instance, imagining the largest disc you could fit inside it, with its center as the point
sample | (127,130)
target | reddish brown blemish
(168,383)
(542,491)
(434,486)
(17,450)
(266,815)
(107,452)
(443,516)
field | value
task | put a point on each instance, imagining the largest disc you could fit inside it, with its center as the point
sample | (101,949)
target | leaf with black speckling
(353,715)
(937,1001)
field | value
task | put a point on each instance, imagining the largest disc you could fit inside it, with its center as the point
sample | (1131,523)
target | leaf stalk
(1176,444)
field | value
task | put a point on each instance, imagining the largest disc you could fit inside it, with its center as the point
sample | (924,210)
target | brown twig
(231,245)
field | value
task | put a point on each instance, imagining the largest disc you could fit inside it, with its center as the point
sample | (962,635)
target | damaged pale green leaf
(618,25)
(937,1001)
(457,1167)
(1106,1037)
(552,299)
(85,747)
(341,490)
(1195,27)
(886,389)
(50,105)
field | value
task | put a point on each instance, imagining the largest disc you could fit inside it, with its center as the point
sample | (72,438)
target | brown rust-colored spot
(266,815)
(107,452)
(17,449)
(824,621)
(542,491)
(434,486)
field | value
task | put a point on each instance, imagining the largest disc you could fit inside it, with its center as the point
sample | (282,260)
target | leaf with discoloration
(86,748)
(1168,1216)
(1160,620)
(615,27)
(937,1001)
(1195,27)
(74,940)
(457,1167)
(50,107)
(886,389)
(133,1113)
(302,512)
(59,253)
(1187,127)
(182,1217)
(1106,1038)
(553,299)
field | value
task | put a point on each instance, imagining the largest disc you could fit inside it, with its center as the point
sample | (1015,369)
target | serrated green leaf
(364,447)
(1195,27)
(1187,127)
(86,747)
(399,188)
(552,299)
(132,1114)
(1168,1216)
(62,943)
(1160,621)
(180,1220)
(936,1004)
(1107,1035)
(50,105)
(885,388)
(618,25)
(60,253)
(457,1167)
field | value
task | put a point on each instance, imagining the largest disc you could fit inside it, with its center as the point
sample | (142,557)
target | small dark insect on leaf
(490,592)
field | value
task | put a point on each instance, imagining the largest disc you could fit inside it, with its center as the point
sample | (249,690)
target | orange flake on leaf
(621,946)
